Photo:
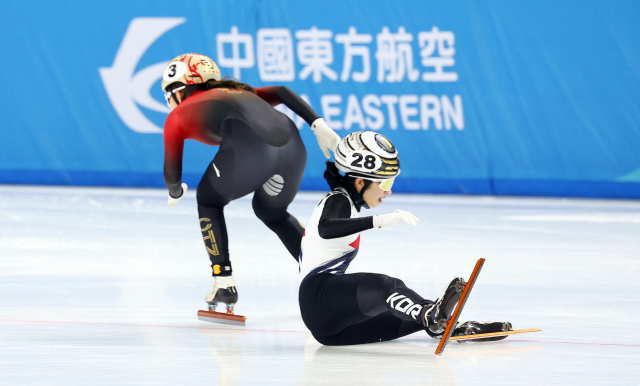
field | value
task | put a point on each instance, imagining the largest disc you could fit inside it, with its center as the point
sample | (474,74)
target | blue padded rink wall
(486,100)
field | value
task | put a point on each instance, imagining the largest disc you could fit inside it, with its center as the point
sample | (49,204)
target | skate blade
(222,318)
(502,334)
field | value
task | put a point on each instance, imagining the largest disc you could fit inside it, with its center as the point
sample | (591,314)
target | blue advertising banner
(480,97)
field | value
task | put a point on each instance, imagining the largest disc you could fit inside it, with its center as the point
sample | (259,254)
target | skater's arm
(173,146)
(327,138)
(336,220)
(281,94)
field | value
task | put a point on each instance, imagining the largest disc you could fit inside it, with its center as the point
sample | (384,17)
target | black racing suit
(260,151)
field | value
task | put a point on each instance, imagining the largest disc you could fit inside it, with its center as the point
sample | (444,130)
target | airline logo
(127,89)
(392,54)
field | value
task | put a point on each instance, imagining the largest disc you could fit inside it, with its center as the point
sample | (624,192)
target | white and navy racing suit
(340,308)
(331,252)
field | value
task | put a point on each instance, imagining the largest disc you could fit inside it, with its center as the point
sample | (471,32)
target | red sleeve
(174,136)
(269,94)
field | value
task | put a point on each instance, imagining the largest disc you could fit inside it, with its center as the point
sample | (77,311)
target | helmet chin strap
(367,183)
(358,197)
(175,98)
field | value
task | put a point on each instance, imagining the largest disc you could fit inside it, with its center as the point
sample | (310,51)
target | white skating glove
(385,220)
(171,201)
(327,138)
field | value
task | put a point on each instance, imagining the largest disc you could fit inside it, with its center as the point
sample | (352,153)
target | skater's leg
(271,200)
(381,328)
(231,175)
(213,227)
(283,224)
(216,242)
(381,293)
(388,326)
(345,306)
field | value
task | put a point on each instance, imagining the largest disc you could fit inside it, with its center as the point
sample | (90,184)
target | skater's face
(374,195)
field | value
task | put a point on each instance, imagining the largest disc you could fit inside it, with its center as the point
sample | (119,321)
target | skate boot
(224,291)
(473,328)
(435,316)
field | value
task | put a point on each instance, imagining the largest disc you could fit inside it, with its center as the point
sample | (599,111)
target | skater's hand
(385,220)
(327,138)
(171,201)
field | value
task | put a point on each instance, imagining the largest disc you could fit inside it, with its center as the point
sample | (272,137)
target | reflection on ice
(226,354)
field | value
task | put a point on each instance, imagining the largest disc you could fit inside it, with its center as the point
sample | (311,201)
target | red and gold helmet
(190,69)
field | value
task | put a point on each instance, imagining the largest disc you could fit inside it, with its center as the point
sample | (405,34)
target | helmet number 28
(369,161)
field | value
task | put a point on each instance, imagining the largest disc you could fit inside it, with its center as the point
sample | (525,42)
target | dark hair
(336,180)
(226,82)
(333,176)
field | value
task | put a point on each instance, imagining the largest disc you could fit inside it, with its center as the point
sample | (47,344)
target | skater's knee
(272,217)
(207,196)
(397,283)
(391,284)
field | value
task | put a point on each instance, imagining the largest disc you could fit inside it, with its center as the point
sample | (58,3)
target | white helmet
(368,155)
(190,69)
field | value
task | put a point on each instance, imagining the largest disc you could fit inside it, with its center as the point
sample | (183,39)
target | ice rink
(101,286)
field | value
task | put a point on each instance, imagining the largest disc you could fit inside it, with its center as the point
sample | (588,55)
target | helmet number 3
(172,71)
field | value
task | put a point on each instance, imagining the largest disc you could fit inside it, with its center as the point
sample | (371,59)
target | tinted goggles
(385,184)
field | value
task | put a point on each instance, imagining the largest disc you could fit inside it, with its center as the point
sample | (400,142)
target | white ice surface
(101,287)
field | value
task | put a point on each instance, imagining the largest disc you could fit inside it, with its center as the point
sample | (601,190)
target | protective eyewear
(385,184)
(167,95)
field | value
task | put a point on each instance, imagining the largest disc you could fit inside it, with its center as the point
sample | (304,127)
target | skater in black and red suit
(344,309)
(260,152)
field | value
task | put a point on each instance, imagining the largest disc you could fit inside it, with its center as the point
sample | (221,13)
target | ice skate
(474,328)
(224,291)
(436,315)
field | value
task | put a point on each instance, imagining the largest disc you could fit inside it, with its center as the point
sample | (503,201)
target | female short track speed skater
(260,151)
(344,309)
